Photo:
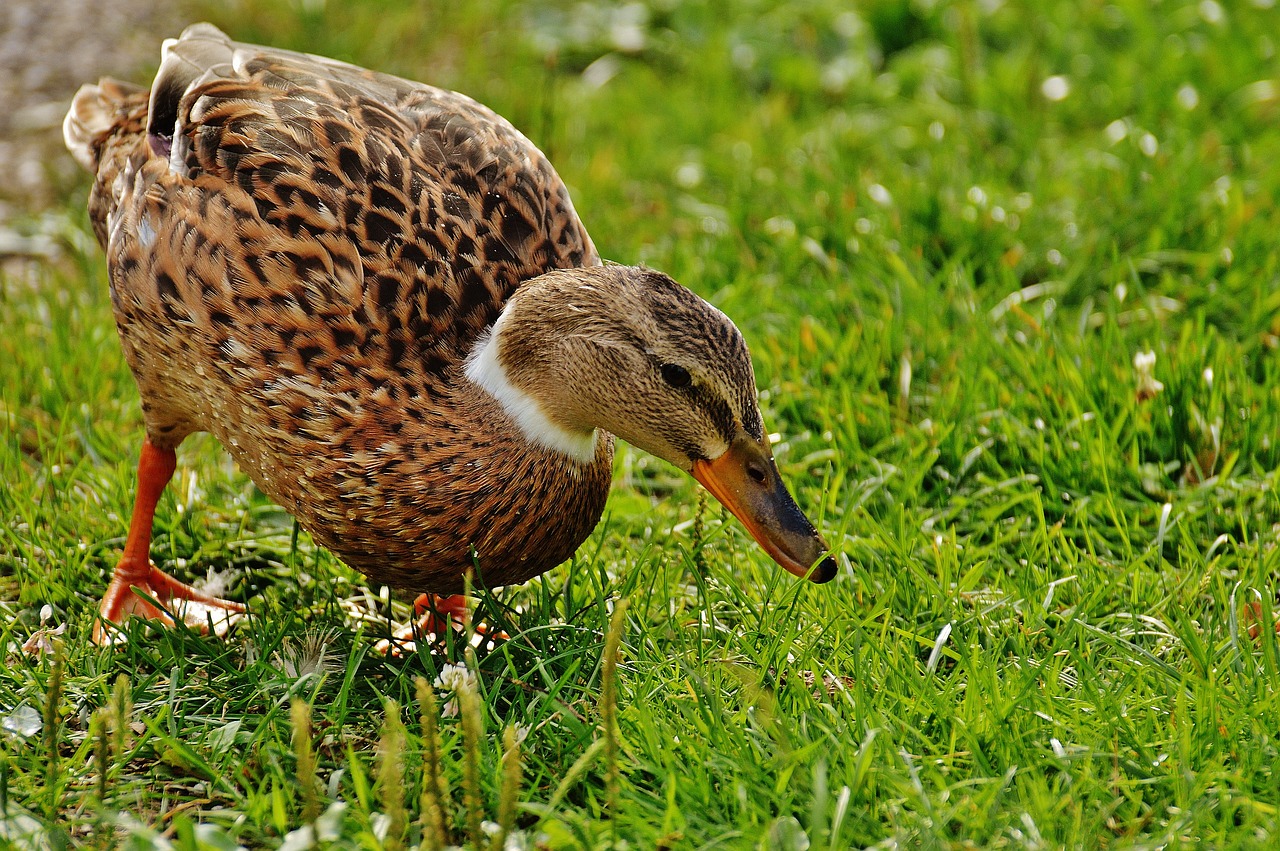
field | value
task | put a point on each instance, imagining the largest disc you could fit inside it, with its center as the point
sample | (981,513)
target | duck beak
(745,479)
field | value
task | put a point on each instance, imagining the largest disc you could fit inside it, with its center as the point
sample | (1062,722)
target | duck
(378,297)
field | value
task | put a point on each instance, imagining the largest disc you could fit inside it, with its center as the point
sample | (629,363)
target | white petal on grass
(380,823)
(333,787)
(1144,367)
(452,676)
(628,38)
(786,834)
(23,721)
(1033,832)
(848,25)
(41,642)
(778,226)
(1149,144)
(601,71)
(1055,88)
(451,679)
(688,175)
(1212,12)
(217,583)
(518,840)
(23,831)
(301,839)
(1116,131)
(628,27)
(1188,98)
(815,250)
(879,194)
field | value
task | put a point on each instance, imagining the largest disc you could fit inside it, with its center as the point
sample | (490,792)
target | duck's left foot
(135,573)
(178,601)
(434,614)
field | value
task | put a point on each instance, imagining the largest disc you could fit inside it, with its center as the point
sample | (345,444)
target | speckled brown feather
(300,268)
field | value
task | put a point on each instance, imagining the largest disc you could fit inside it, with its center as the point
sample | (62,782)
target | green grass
(1038,638)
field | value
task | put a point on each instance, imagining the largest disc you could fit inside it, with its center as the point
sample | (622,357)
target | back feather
(201,51)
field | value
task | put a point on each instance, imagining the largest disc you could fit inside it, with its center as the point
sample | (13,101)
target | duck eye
(675,375)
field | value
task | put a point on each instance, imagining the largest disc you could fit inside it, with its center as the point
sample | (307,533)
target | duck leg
(434,615)
(135,573)
(1253,619)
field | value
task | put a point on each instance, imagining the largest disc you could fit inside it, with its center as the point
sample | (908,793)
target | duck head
(631,351)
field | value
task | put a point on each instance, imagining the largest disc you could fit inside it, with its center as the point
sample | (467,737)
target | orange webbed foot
(434,614)
(135,578)
(1253,620)
(127,596)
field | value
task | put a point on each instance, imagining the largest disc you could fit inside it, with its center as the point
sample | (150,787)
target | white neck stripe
(485,369)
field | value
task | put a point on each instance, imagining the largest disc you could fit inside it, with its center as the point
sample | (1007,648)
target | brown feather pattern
(301,269)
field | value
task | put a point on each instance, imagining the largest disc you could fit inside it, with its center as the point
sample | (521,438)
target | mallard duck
(377,295)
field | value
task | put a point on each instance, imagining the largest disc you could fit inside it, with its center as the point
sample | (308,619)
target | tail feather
(105,124)
(98,111)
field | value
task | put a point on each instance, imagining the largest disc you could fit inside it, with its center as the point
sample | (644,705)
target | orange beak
(745,479)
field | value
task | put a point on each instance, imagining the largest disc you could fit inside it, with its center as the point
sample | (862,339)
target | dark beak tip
(825,571)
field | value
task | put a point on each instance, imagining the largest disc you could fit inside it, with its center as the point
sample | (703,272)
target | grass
(946,230)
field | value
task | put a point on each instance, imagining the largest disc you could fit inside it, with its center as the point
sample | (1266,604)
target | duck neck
(486,367)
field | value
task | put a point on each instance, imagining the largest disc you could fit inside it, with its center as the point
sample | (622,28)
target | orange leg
(136,573)
(1253,619)
(435,614)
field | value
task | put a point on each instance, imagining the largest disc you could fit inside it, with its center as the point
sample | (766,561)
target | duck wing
(354,197)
